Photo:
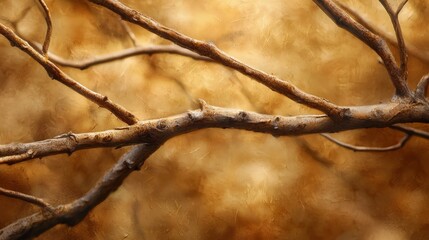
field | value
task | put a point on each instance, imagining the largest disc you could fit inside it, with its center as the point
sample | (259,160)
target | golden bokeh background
(216,183)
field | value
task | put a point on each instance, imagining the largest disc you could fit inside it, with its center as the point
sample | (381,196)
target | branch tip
(400,7)
(203,104)
(47,15)
(27,198)
(422,87)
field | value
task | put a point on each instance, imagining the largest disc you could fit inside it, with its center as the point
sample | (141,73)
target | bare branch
(411,49)
(399,37)
(55,73)
(343,20)
(422,87)
(210,50)
(47,15)
(401,5)
(140,50)
(26,198)
(411,131)
(74,212)
(355,148)
(215,117)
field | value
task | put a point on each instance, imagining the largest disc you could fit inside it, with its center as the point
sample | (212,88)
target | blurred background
(216,183)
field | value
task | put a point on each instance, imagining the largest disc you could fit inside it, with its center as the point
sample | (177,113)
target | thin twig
(26,198)
(140,50)
(411,131)
(401,5)
(378,44)
(355,148)
(47,15)
(130,33)
(411,49)
(422,87)
(73,213)
(55,73)
(399,36)
(208,49)
(214,117)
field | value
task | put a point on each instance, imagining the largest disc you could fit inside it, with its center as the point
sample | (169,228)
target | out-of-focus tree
(214,119)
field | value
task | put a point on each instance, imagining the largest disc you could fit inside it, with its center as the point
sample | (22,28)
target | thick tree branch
(55,73)
(383,115)
(210,50)
(26,198)
(74,212)
(47,15)
(355,148)
(343,20)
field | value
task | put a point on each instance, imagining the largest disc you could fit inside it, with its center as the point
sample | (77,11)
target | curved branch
(378,44)
(55,73)
(383,115)
(355,148)
(26,198)
(47,15)
(74,212)
(130,52)
(210,50)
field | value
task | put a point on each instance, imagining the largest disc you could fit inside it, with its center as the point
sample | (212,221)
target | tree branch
(55,73)
(412,49)
(422,87)
(355,148)
(74,212)
(343,20)
(47,15)
(139,50)
(411,131)
(26,198)
(383,115)
(210,50)
(399,36)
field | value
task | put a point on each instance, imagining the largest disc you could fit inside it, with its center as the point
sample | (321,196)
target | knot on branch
(243,116)
(340,114)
